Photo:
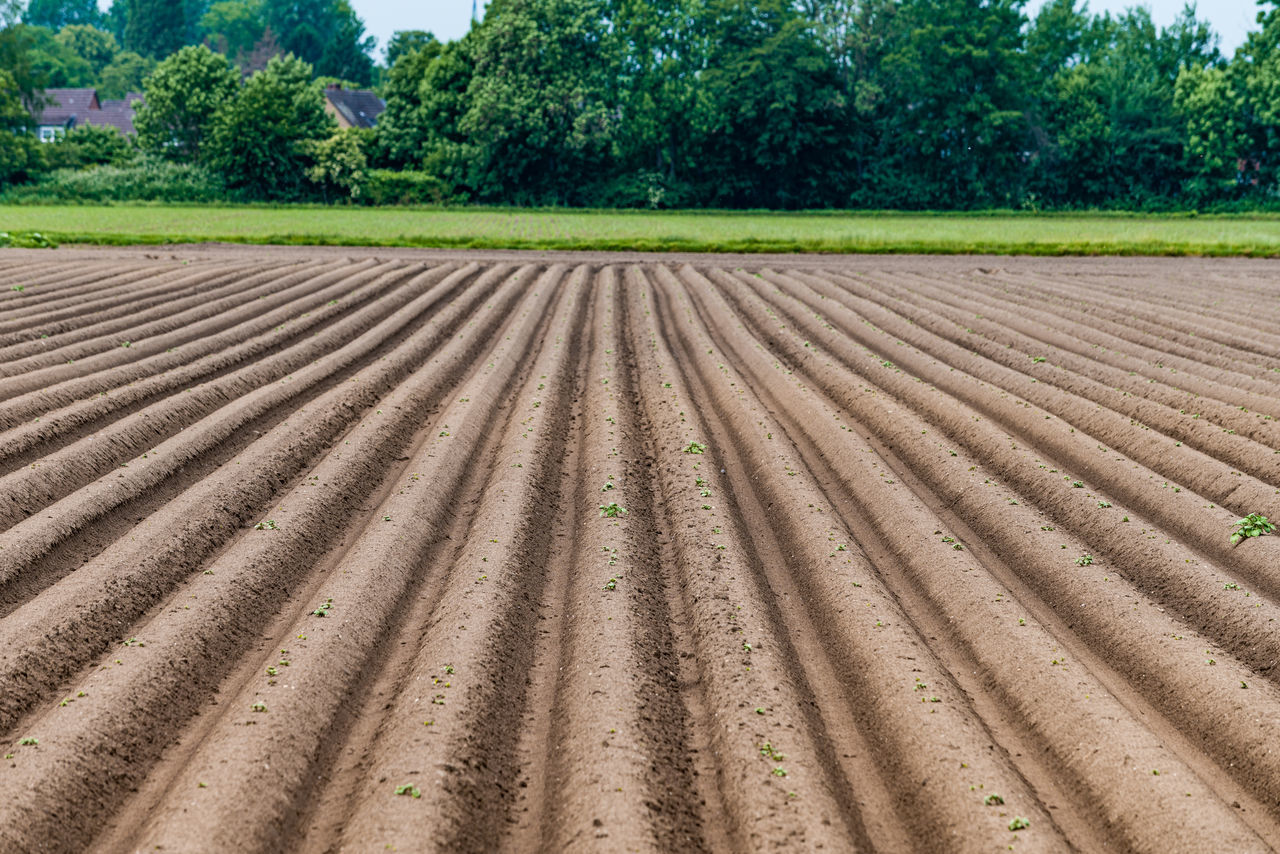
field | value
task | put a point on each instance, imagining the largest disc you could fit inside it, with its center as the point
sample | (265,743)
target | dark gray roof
(359,107)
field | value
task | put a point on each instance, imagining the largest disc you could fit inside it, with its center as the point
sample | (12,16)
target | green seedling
(1077,484)
(1253,525)
(611,584)
(612,510)
(1019,823)
(695,448)
(323,610)
(1084,560)
(409,789)
(268,525)
(993,800)
(28,741)
(1038,359)
(767,750)
(259,706)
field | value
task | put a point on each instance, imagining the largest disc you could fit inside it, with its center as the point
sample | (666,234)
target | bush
(390,187)
(90,145)
(149,180)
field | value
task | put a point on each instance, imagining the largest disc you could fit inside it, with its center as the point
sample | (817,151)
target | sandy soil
(329,550)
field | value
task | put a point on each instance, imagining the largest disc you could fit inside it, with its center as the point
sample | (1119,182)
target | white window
(48,134)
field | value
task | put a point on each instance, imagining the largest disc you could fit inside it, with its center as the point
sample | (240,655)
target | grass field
(498,228)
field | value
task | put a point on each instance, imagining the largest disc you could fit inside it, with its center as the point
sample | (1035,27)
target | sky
(449,19)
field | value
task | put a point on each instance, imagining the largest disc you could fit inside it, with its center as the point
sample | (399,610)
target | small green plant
(409,789)
(259,706)
(611,584)
(268,525)
(1084,560)
(1253,525)
(993,800)
(323,610)
(1077,484)
(767,750)
(1038,359)
(695,448)
(1019,823)
(29,741)
(612,510)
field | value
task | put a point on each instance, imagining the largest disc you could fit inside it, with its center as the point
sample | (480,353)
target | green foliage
(538,117)
(89,145)
(155,28)
(234,26)
(326,34)
(183,95)
(56,14)
(1253,525)
(126,73)
(391,187)
(25,240)
(404,41)
(339,166)
(91,44)
(55,64)
(20,154)
(612,510)
(261,140)
(148,180)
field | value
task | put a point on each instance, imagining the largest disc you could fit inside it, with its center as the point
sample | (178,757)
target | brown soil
(325,550)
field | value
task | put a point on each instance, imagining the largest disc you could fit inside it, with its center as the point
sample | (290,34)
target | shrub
(148,180)
(389,187)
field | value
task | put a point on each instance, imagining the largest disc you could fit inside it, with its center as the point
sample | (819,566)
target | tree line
(903,104)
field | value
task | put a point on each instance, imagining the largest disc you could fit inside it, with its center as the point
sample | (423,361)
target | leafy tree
(54,63)
(1213,109)
(124,74)
(234,26)
(346,52)
(340,167)
(91,44)
(957,81)
(56,14)
(20,155)
(536,120)
(405,129)
(403,41)
(771,111)
(325,33)
(155,28)
(261,140)
(182,96)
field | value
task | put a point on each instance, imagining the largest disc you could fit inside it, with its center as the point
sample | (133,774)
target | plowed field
(427,552)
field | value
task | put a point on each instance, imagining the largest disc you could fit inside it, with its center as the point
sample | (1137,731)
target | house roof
(64,105)
(359,107)
(71,107)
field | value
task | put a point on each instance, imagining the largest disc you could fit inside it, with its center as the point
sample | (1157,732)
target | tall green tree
(234,26)
(155,28)
(325,33)
(124,74)
(262,141)
(56,14)
(182,96)
(20,155)
(957,80)
(771,112)
(96,47)
(537,120)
